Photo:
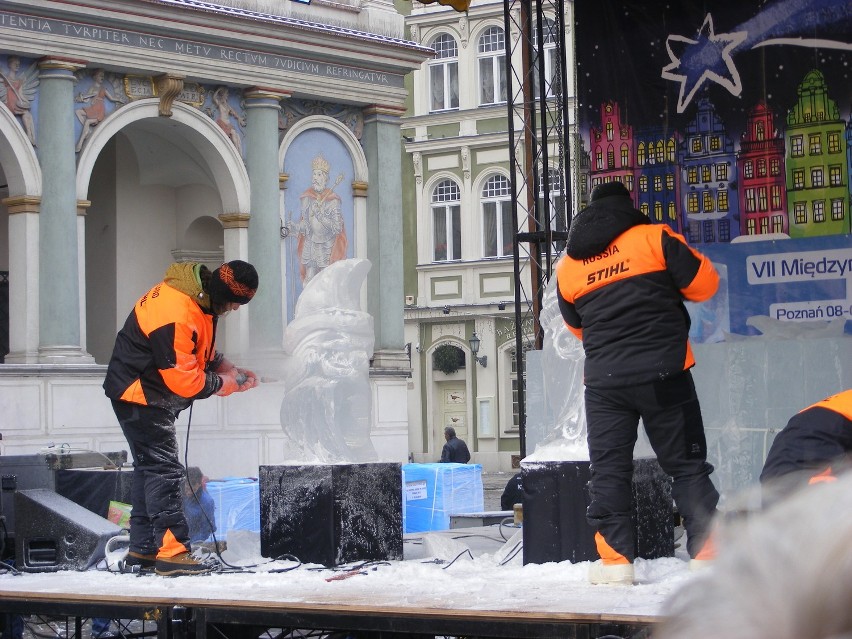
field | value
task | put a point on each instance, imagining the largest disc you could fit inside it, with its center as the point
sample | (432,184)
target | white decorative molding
(464,31)
(418,166)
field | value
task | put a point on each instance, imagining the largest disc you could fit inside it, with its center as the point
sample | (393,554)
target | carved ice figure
(563,359)
(326,408)
(562,363)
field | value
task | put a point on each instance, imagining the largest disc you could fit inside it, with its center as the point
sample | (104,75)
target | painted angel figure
(17,91)
(224,112)
(95,100)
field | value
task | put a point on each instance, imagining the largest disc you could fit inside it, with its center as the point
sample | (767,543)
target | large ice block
(237,503)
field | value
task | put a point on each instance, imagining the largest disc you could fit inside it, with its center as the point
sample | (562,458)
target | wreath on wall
(448,358)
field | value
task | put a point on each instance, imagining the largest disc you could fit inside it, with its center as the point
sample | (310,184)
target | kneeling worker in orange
(813,447)
(621,288)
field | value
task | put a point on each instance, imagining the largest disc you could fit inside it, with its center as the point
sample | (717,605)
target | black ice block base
(556,496)
(331,514)
(54,533)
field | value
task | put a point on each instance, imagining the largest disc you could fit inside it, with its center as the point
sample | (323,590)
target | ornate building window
(545,53)
(497,222)
(444,74)
(492,66)
(446,221)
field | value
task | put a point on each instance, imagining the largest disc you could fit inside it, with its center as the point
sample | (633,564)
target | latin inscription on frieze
(132,39)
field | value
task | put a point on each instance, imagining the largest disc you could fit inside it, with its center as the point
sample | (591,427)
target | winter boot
(615,574)
(138,562)
(185,564)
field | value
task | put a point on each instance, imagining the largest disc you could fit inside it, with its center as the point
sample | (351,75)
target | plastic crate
(433,492)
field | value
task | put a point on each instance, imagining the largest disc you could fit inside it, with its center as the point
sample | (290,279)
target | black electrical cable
(515,550)
(212,525)
(466,550)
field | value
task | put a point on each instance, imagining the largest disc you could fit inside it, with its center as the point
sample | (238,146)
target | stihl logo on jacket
(626,304)
(606,273)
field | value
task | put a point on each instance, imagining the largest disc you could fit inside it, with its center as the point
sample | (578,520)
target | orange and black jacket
(621,287)
(164,355)
(814,439)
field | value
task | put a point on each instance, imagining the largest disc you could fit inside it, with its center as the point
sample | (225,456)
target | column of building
(382,147)
(266,320)
(60,304)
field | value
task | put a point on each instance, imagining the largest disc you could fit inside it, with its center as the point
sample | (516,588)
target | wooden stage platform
(178,617)
(477,594)
(187,607)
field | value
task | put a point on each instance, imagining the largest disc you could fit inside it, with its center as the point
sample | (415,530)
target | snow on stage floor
(469,569)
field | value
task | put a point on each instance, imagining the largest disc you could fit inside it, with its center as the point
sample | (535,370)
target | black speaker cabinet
(54,533)
(556,496)
(27,472)
(331,514)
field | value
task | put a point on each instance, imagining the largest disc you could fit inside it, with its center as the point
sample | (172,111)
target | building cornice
(238,48)
(453,143)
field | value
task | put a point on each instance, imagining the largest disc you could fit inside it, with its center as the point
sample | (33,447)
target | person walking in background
(621,288)
(813,447)
(455,450)
(164,358)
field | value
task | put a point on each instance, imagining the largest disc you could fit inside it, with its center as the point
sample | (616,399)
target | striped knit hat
(234,281)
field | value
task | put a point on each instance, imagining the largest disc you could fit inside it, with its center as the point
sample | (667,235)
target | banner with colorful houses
(731,122)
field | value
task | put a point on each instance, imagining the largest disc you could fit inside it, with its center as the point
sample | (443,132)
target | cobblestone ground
(493,485)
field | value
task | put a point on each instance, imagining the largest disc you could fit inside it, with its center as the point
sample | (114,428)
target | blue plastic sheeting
(433,492)
(237,505)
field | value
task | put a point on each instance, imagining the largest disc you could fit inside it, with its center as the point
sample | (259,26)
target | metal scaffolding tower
(540,165)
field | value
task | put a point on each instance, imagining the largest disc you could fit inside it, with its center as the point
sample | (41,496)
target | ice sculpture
(562,434)
(562,365)
(325,413)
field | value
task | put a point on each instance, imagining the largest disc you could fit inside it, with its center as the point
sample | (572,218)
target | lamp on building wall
(474,342)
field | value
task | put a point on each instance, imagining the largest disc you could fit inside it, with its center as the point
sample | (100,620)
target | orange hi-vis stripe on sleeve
(824,477)
(609,556)
(170,547)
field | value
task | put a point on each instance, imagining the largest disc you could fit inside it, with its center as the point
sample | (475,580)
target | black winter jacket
(621,287)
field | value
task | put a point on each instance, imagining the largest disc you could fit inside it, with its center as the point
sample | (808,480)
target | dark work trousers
(157,476)
(672,417)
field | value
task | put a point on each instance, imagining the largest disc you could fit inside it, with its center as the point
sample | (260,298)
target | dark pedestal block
(331,514)
(556,496)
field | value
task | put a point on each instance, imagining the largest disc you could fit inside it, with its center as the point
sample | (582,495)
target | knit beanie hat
(609,189)
(234,281)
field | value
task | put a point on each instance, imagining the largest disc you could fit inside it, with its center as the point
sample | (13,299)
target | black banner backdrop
(736,53)
(730,121)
